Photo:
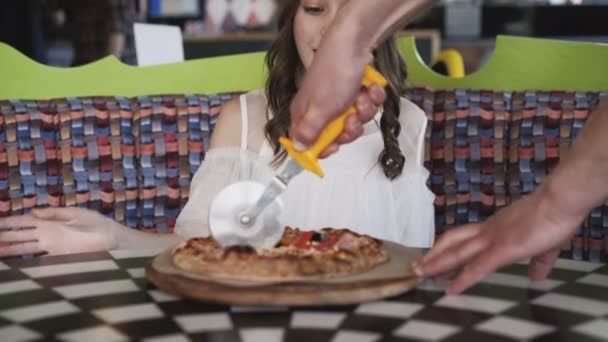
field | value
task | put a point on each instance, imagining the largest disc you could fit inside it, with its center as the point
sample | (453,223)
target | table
(105,297)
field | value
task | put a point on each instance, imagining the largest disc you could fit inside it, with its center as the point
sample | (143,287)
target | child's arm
(127,238)
(224,163)
(227,131)
(72,230)
(223,156)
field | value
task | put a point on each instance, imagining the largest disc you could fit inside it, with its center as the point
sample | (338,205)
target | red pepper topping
(304,239)
(328,242)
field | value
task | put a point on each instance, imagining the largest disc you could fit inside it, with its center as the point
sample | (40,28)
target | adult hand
(531,227)
(57,231)
(330,86)
(331,83)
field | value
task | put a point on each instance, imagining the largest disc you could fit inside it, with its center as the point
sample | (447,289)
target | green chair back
(516,64)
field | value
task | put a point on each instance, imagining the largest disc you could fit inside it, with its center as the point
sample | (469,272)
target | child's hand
(57,231)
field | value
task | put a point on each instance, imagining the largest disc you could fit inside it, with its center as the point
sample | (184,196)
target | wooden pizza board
(386,280)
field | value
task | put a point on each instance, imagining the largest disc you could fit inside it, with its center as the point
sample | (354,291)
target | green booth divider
(517,64)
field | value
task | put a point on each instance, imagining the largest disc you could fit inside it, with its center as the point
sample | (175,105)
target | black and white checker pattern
(105,297)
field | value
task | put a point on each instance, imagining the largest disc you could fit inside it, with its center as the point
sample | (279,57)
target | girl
(375,185)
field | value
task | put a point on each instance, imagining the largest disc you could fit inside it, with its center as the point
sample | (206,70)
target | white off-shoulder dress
(354,193)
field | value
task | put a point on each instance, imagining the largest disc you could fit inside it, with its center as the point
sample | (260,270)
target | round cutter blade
(224,217)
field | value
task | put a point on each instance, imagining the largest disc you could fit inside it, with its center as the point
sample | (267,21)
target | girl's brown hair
(285,67)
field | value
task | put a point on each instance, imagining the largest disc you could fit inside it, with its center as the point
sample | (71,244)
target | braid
(391,158)
(389,63)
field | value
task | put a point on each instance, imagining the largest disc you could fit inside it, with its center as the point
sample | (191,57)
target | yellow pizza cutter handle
(308,159)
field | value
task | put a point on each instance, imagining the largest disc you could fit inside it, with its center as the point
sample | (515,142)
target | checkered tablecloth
(105,297)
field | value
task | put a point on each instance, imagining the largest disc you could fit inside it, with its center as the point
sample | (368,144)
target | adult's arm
(536,225)
(332,82)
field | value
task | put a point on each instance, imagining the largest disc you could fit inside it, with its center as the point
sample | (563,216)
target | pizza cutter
(247,212)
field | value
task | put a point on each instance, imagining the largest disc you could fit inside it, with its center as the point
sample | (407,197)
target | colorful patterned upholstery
(133,158)
(172,134)
(130,159)
(486,149)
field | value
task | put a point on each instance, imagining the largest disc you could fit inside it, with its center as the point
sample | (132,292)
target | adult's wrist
(558,207)
(375,21)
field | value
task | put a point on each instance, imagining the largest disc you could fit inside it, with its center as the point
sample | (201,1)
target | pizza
(299,254)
